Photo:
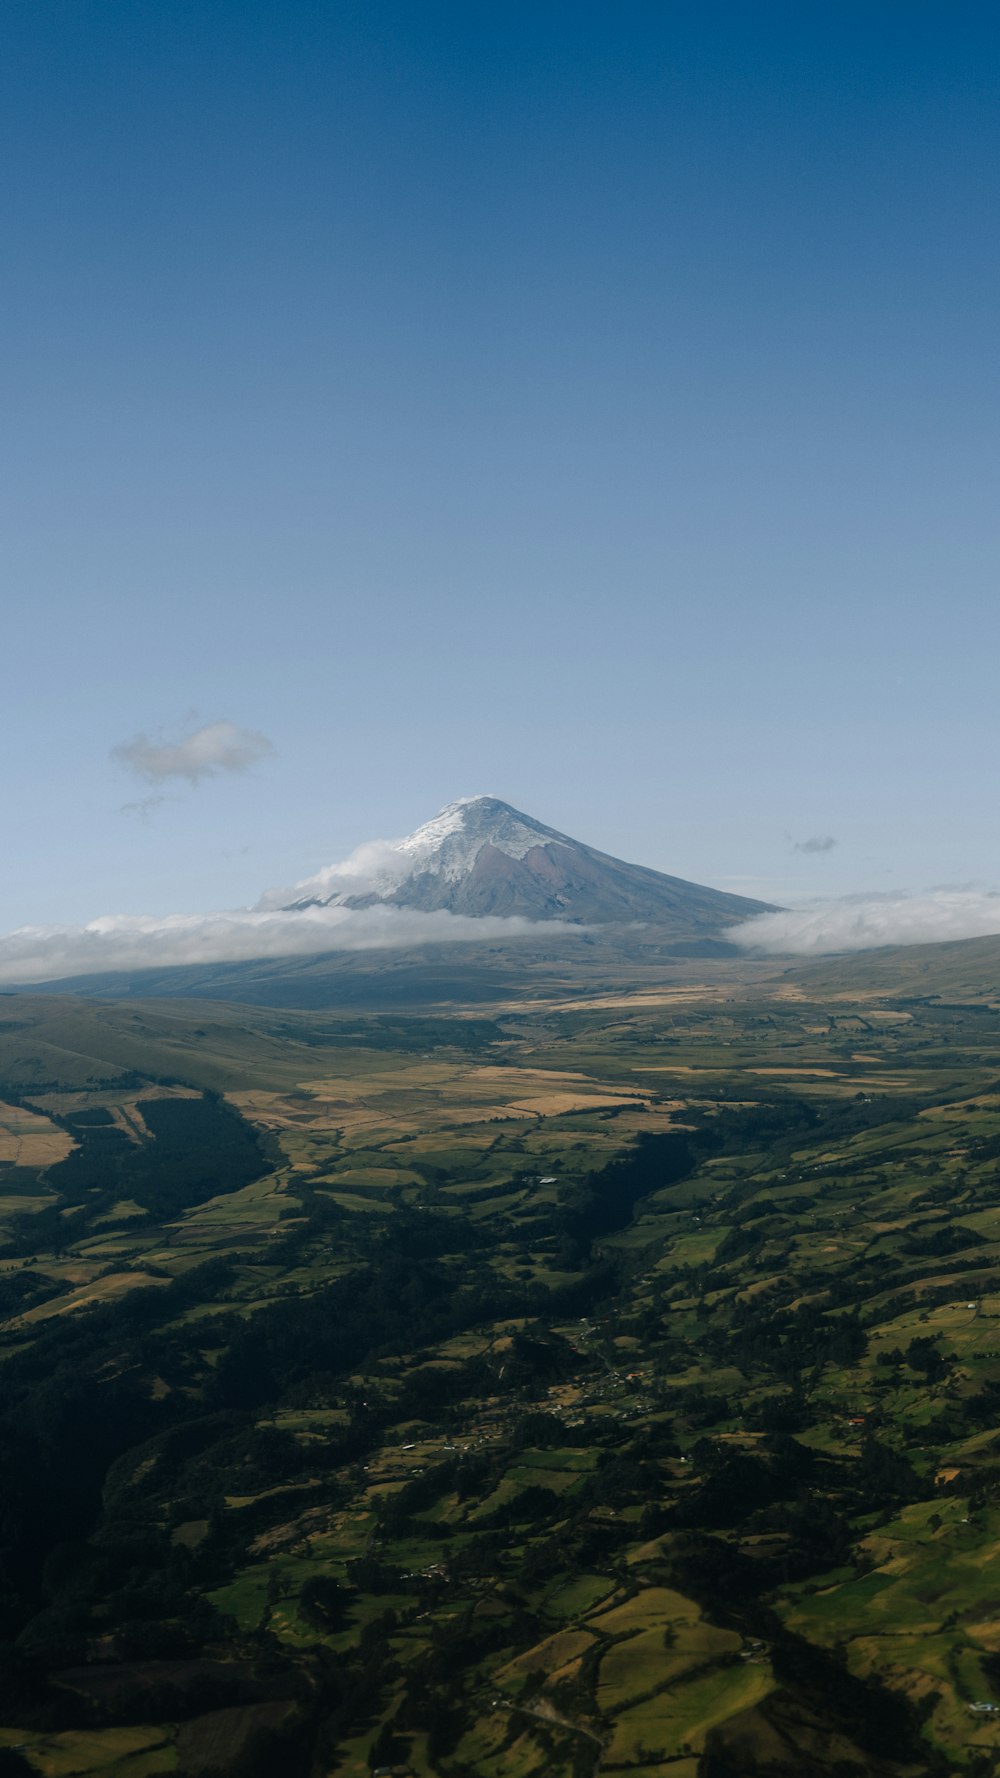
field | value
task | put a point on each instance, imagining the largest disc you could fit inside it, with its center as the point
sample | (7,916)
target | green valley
(573,1382)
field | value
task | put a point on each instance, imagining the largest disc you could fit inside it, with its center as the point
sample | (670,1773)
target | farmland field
(559,1385)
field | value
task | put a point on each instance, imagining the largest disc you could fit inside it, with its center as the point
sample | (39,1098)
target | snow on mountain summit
(480,856)
(451,842)
(447,846)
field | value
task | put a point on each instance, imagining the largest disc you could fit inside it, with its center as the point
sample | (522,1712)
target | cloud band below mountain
(120,942)
(862,923)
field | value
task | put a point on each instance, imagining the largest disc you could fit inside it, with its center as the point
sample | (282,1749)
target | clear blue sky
(594,405)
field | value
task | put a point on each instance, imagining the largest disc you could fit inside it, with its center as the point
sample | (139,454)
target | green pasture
(676,1720)
(138,1751)
(574,1598)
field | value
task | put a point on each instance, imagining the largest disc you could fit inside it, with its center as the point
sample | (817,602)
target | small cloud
(206,753)
(143,807)
(820,842)
(863,922)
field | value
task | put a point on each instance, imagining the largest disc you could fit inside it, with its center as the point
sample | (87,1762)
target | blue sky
(591,405)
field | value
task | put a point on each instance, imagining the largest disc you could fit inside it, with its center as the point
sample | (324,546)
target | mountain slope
(480,856)
(963,970)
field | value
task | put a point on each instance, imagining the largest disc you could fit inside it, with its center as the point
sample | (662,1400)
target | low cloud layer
(820,842)
(206,753)
(127,942)
(861,923)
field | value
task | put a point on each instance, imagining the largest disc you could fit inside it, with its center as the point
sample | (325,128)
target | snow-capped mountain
(480,856)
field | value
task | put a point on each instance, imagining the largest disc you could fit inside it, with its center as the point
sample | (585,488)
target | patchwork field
(568,1385)
(28,1140)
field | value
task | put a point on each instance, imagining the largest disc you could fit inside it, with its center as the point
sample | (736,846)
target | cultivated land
(601,1380)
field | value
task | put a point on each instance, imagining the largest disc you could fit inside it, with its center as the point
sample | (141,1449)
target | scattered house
(985,1709)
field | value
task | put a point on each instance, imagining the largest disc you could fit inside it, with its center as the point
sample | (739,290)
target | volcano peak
(480,855)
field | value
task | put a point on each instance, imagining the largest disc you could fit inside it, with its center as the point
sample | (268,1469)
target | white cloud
(378,865)
(125,942)
(862,922)
(205,753)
